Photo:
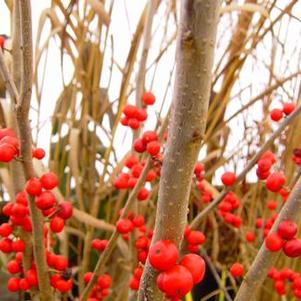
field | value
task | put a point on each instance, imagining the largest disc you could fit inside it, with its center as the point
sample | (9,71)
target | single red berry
(143,194)
(49,180)
(276,114)
(60,262)
(138,273)
(138,221)
(287,229)
(275,181)
(130,161)
(273,242)
(134,284)
(196,265)
(292,248)
(141,115)
(63,286)
(7,152)
(57,224)
(196,237)
(13,284)
(87,277)
(5,229)
(129,111)
(228,178)
(153,148)
(139,146)
(13,267)
(271,205)
(148,98)
(104,281)
(237,270)
(38,153)
(33,187)
(163,255)
(279,286)
(45,200)
(99,244)
(18,245)
(31,277)
(175,282)
(124,226)
(250,236)
(288,107)
(24,285)
(65,210)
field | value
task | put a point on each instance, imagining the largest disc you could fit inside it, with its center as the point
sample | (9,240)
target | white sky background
(255,77)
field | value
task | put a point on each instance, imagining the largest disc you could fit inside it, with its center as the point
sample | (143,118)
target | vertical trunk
(194,57)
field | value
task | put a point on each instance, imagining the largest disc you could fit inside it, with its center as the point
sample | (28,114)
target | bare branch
(194,56)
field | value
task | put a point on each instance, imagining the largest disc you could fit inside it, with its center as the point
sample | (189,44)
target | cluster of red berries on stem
(278,114)
(133,116)
(101,289)
(280,277)
(175,279)
(226,207)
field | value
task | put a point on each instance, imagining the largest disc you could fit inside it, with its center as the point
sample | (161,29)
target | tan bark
(194,57)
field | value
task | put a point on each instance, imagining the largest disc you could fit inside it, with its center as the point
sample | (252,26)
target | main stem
(194,57)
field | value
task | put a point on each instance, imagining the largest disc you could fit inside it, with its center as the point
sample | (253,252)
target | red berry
(288,107)
(99,244)
(130,161)
(138,221)
(5,229)
(287,229)
(163,255)
(13,284)
(33,187)
(175,282)
(279,286)
(196,265)
(7,152)
(49,180)
(87,277)
(24,285)
(237,270)
(104,281)
(272,205)
(196,238)
(60,262)
(275,181)
(228,178)
(134,123)
(143,194)
(57,224)
(129,111)
(38,153)
(124,226)
(141,115)
(149,136)
(139,146)
(63,285)
(134,284)
(148,98)
(273,242)
(13,267)
(2,41)
(153,148)
(250,236)
(18,245)
(65,210)
(31,277)
(276,114)
(292,248)
(46,200)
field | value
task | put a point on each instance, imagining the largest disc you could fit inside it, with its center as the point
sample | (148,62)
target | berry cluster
(281,276)
(175,280)
(194,239)
(278,114)
(133,116)
(148,142)
(38,191)
(101,288)
(284,239)
(229,203)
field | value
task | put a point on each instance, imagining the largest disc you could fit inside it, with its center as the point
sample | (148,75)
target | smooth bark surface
(194,58)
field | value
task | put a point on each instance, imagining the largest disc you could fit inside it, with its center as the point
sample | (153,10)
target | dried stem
(22,110)
(194,56)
